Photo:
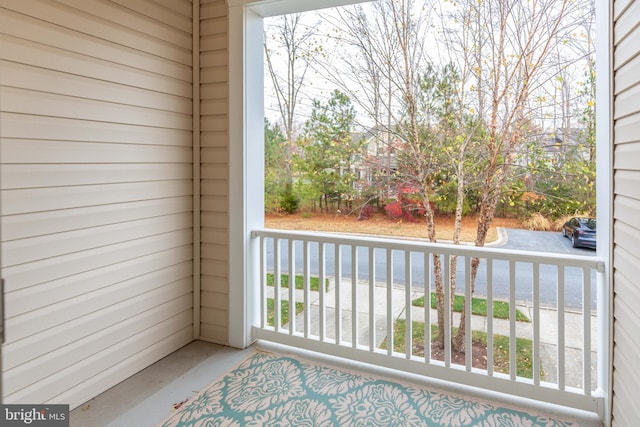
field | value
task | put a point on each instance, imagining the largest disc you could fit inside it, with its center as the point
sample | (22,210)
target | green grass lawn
(478,306)
(284,311)
(284,282)
(524,347)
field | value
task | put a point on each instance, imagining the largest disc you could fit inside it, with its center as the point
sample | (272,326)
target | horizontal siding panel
(626,210)
(36,152)
(214,333)
(58,59)
(100,28)
(627,129)
(61,129)
(213,75)
(42,247)
(33,30)
(627,76)
(215,236)
(42,199)
(158,12)
(136,21)
(624,402)
(216,220)
(212,203)
(214,156)
(213,124)
(182,7)
(213,58)
(625,262)
(42,223)
(216,25)
(212,91)
(619,7)
(17,176)
(214,42)
(52,105)
(627,156)
(626,102)
(627,49)
(216,285)
(26,275)
(215,316)
(216,139)
(627,183)
(213,251)
(626,22)
(50,339)
(46,389)
(215,268)
(215,172)
(43,80)
(213,10)
(214,107)
(213,302)
(627,236)
(97,280)
(215,188)
(125,368)
(101,339)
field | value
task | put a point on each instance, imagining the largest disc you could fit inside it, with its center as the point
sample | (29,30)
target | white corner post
(604,197)
(246,151)
(246,168)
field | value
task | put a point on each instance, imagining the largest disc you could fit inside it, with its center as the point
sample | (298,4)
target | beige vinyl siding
(626,256)
(96,197)
(214,172)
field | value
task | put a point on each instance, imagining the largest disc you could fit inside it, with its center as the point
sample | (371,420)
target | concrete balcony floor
(146,398)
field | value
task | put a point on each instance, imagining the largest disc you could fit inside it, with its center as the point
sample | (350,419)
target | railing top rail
(415,245)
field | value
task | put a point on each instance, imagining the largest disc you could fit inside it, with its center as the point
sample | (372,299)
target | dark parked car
(581,231)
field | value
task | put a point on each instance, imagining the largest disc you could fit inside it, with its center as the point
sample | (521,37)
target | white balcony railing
(555,322)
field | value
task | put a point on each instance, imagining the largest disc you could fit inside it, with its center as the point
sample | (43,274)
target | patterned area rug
(268,389)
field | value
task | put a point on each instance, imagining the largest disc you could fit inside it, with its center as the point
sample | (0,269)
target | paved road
(517,239)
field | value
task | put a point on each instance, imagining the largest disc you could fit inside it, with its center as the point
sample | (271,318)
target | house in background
(377,164)
(130,135)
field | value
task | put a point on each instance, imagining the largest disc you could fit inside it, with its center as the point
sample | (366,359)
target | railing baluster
(390,319)
(561,338)
(263,283)
(467,306)
(408,343)
(536,323)
(512,320)
(277,316)
(292,287)
(306,288)
(586,327)
(338,282)
(372,294)
(490,316)
(321,289)
(354,296)
(427,307)
(447,311)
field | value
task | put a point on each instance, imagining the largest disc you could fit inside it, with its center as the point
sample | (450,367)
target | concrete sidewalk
(548,324)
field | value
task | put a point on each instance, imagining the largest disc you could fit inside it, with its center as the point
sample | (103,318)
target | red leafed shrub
(366,212)
(394,210)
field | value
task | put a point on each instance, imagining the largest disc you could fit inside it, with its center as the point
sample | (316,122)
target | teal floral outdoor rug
(272,390)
